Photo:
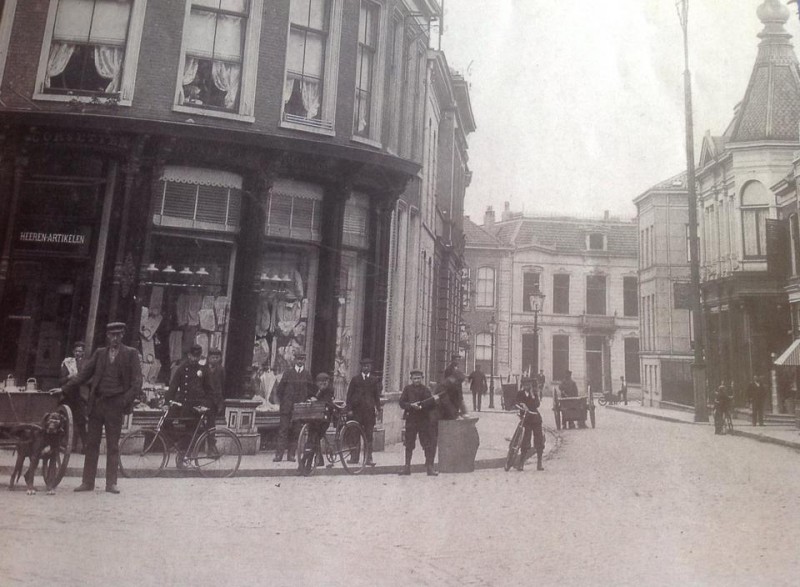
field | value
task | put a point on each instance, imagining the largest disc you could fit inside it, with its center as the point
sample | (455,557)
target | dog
(38,443)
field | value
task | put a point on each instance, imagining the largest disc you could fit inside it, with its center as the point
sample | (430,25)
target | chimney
(488,217)
(506,211)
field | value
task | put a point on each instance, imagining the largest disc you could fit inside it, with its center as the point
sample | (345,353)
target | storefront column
(20,165)
(377,282)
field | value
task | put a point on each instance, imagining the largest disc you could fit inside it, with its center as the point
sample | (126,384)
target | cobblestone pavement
(636,501)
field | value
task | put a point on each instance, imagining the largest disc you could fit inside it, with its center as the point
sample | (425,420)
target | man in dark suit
(114,375)
(364,399)
(296,385)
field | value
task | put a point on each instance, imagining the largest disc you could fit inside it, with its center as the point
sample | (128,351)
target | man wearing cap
(453,377)
(323,393)
(114,375)
(76,400)
(420,414)
(364,399)
(296,385)
(191,385)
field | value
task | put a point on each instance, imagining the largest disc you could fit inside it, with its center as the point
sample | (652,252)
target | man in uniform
(114,375)
(296,385)
(364,399)
(191,386)
(420,416)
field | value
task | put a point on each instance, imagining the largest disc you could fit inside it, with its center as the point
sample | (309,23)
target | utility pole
(698,365)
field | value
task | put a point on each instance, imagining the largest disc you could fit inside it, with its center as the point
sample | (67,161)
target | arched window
(755,210)
(485,291)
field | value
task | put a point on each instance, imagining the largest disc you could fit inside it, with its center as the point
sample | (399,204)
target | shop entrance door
(45,305)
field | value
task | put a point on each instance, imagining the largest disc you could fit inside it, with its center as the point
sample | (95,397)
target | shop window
(560,356)
(356,222)
(484,295)
(91,49)
(561,294)
(312,61)
(200,199)
(630,296)
(220,46)
(294,211)
(366,54)
(596,294)
(349,320)
(530,285)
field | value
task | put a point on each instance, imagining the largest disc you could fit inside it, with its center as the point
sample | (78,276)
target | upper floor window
(596,241)
(90,49)
(596,294)
(630,296)
(484,296)
(560,294)
(530,285)
(755,211)
(7,10)
(366,54)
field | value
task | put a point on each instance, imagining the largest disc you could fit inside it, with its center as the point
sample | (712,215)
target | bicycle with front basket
(348,446)
(214,452)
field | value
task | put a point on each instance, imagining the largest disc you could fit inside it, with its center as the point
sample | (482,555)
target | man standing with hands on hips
(364,399)
(114,374)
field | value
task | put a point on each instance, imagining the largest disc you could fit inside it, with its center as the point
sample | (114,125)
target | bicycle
(727,422)
(515,445)
(215,452)
(348,446)
(608,398)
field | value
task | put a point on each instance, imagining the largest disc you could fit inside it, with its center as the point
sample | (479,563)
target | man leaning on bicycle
(191,386)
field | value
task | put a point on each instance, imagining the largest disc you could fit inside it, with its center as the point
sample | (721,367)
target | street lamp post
(536,300)
(492,330)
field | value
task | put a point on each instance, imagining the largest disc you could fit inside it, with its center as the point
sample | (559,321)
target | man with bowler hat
(419,405)
(364,399)
(114,375)
(296,385)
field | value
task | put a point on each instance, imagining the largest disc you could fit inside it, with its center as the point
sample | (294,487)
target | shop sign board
(73,241)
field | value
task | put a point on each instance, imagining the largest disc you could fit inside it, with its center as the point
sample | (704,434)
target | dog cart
(23,414)
(573,410)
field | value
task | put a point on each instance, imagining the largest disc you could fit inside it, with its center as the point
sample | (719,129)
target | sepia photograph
(361,293)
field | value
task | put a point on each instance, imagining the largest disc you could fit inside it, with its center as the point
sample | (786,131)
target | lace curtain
(189,75)
(226,78)
(60,54)
(108,62)
(309,94)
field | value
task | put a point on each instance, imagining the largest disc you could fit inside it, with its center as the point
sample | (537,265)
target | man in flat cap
(364,399)
(114,375)
(323,393)
(296,385)
(421,415)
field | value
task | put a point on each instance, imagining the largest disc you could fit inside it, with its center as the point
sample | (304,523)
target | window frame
(6,22)
(602,236)
(605,294)
(557,355)
(630,295)
(561,303)
(376,106)
(130,63)
(247,82)
(491,292)
(528,289)
(632,362)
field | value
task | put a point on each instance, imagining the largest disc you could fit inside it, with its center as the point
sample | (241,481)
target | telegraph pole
(698,365)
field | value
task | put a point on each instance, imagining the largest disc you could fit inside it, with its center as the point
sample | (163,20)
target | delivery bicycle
(347,447)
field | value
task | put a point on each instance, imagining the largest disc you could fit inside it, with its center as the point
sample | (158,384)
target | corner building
(220,172)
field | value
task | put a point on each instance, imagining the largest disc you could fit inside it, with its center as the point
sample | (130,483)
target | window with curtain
(483,346)
(87,51)
(755,211)
(530,285)
(305,60)
(596,294)
(212,64)
(561,294)
(365,67)
(484,295)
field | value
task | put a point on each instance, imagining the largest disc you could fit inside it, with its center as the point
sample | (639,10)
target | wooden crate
(309,412)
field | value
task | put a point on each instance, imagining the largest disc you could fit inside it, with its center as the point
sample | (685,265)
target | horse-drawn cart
(569,411)
(22,415)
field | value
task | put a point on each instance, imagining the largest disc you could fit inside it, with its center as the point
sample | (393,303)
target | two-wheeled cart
(569,411)
(23,413)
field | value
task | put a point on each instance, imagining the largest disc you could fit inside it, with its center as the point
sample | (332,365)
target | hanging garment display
(207,321)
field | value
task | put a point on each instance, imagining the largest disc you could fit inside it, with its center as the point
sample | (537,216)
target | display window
(349,320)
(186,301)
(285,280)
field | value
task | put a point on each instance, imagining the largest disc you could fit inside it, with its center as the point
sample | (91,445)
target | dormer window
(596,241)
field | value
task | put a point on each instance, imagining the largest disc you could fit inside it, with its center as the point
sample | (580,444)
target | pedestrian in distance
(540,381)
(528,397)
(623,391)
(568,388)
(421,415)
(114,376)
(722,405)
(296,385)
(452,370)
(477,385)
(78,396)
(757,393)
(364,399)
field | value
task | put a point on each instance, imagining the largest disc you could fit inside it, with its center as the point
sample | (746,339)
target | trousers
(108,413)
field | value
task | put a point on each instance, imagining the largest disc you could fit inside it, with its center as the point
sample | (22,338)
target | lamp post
(493,330)
(536,300)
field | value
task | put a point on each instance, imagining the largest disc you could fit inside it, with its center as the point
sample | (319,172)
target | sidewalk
(494,427)
(780,434)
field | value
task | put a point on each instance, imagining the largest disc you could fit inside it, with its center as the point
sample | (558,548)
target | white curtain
(108,62)
(288,88)
(226,78)
(60,54)
(310,92)
(189,75)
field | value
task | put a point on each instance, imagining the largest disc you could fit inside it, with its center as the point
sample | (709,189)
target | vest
(111,382)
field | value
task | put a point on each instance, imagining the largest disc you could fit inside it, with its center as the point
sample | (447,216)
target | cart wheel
(591,415)
(557,415)
(55,465)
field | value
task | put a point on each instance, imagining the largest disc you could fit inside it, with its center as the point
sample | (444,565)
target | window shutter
(293,211)
(199,199)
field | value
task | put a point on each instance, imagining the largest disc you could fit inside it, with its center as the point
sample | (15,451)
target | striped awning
(791,356)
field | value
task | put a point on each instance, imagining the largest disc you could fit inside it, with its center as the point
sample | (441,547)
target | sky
(579,103)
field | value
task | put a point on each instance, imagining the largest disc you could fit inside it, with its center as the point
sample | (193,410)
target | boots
(406,470)
(539,466)
(429,468)
(521,460)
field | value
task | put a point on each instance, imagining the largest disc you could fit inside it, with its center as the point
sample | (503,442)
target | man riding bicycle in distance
(192,386)
(528,400)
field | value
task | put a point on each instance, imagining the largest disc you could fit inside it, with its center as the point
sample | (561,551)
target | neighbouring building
(664,293)
(589,320)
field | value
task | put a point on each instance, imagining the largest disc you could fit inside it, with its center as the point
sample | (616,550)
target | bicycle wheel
(513,448)
(602,401)
(54,465)
(217,453)
(329,451)
(352,447)
(142,453)
(305,453)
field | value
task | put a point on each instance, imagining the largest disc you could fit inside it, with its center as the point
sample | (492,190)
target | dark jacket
(569,388)
(418,393)
(364,395)
(191,383)
(477,381)
(294,387)
(91,372)
(531,401)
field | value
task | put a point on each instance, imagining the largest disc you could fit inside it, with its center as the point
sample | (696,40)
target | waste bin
(458,444)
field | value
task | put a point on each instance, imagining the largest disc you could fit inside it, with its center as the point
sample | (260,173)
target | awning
(791,356)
